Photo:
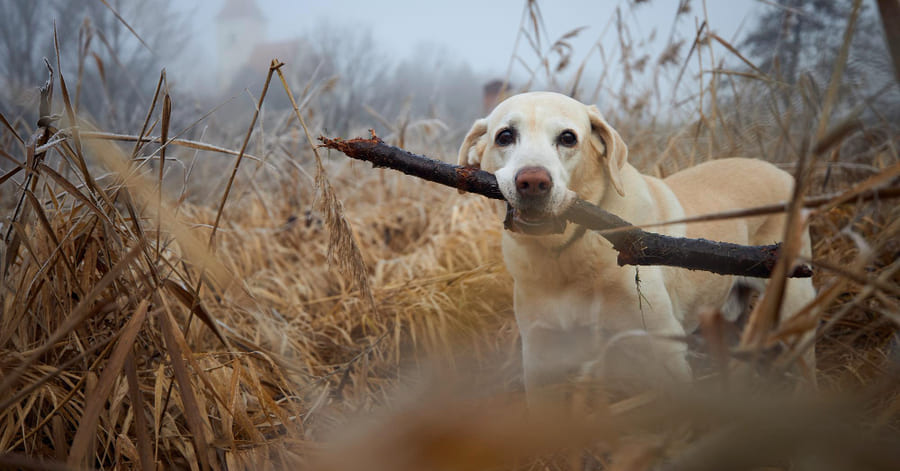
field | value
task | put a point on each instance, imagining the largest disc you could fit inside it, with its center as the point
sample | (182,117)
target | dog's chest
(586,287)
(570,308)
(578,265)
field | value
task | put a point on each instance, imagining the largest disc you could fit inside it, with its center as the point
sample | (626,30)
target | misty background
(419,69)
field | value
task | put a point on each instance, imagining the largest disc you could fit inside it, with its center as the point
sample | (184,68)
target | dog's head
(543,147)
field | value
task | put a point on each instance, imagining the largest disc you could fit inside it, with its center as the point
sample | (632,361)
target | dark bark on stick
(374,150)
(635,246)
(639,247)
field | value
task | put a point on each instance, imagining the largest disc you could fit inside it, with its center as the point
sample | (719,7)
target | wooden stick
(635,246)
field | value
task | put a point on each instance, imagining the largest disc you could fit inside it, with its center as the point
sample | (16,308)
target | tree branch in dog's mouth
(635,246)
(532,223)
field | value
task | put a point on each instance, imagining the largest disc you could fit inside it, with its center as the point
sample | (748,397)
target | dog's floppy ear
(610,146)
(473,145)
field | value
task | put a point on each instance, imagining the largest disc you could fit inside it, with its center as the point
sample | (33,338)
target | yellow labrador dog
(576,309)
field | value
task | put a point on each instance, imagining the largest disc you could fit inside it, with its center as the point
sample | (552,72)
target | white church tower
(240,26)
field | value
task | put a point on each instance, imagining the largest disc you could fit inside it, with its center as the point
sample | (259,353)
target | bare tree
(803,37)
(371,89)
(352,57)
(110,70)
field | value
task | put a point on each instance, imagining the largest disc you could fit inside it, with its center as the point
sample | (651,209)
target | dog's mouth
(532,222)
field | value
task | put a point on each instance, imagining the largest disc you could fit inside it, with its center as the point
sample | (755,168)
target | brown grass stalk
(376,331)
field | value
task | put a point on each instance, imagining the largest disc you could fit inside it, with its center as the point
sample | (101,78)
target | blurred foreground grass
(146,327)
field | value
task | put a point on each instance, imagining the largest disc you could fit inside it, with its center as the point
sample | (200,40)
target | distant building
(243,52)
(494,92)
(239,27)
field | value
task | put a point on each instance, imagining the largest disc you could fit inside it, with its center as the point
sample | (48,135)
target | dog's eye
(505,137)
(567,139)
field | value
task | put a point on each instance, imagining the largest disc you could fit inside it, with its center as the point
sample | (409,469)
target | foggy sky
(481,32)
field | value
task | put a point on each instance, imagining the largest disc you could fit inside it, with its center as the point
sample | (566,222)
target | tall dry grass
(141,330)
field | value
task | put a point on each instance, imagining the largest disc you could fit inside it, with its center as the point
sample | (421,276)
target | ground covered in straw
(301,310)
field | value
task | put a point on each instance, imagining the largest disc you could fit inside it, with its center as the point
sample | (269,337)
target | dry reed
(102,366)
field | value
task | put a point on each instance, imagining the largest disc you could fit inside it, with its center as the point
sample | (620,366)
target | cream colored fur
(578,312)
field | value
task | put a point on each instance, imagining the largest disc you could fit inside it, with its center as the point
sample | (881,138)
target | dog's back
(729,184)
(732,184)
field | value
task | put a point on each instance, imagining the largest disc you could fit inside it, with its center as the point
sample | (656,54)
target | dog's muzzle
(530,216)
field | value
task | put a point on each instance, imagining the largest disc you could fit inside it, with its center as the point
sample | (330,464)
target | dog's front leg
(552,357)
(542,376)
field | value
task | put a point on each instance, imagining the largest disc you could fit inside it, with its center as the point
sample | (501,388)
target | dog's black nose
(533,182)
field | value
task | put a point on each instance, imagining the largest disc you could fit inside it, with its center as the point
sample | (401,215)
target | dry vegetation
(143,327)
